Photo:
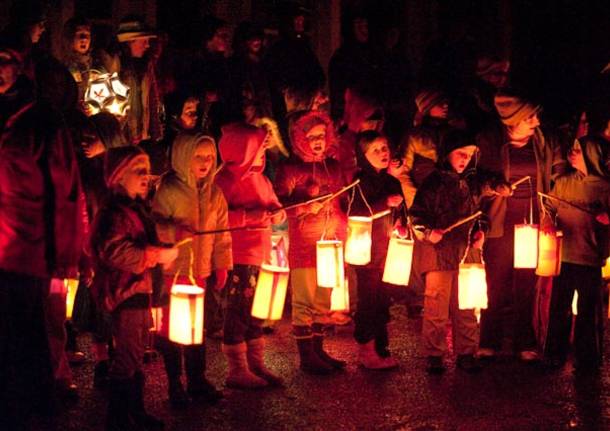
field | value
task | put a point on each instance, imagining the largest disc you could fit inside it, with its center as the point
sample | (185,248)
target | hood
(303,123)
(594,156)
(357,109)
(238,146)
(452,141)
(183,149)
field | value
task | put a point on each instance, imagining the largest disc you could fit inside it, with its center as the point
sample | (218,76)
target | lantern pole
(461,222)
(573,205)
(327,197)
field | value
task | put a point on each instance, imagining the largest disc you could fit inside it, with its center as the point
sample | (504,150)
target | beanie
(487,65)
(427,99)
(117,162)
(514,109)
(454,140)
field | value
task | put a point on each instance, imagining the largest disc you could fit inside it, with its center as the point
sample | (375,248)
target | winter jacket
(42,207)
(376,188)
(494,147)
(246,189)
(180,207)
(585,241)
(121,232)
(304,177)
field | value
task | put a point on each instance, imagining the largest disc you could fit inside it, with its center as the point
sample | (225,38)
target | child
(311,173)
(188,200)
(585,249)
(450,193)
(251,202)
(125,248)
(382,192)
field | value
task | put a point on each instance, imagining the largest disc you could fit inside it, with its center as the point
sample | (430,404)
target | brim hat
(118,161)
(134,29)
(488,66)
(428,99)
(513,109)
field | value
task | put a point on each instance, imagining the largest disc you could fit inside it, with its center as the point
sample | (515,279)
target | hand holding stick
(563,201)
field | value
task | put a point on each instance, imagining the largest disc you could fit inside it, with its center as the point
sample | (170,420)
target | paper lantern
(549,254)
(575,303)
(339,297)
(71,285)
(106,92)
(398,261)
(606,269)
(270,293)
(358,243)
(279,249)
(472,287)
(329,263)
(186,314)
(526,246)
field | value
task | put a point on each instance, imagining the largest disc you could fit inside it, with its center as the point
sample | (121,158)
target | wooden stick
(327,197)
(381,214)
(578,207)
(461,222)
(516,183)
(230,229)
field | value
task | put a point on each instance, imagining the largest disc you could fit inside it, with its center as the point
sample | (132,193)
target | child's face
(135,180)
(576,158)
(316,137)
(202,161)
(82,40)
(259,159)
(378,154)
(460,157)
(440,111)
(188,117)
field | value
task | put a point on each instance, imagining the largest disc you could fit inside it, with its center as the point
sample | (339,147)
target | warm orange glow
(71,286)
(339,297)
(526,246)
(186,314)
(549,254)
(270,293)
(329,263)
(398,261)
(358,243)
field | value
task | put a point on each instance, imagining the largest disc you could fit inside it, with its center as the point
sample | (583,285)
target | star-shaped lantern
(107,93)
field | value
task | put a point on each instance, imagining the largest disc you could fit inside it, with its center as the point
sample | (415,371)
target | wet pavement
(506,395)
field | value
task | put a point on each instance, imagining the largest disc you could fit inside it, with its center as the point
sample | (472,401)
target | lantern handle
(191,262)
(468,247)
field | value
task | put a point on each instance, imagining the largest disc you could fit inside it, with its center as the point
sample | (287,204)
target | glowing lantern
(472,287)
(339,297)
(107,93)
(358,243)
(549,254)
(398,261)
(186,314)
(270,293)
(157,318)
(526,246)
(279,246)
(71,285)
(606,269)
(575,303)
(329,263)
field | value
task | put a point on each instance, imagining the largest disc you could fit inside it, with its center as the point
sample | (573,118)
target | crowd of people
(220,139)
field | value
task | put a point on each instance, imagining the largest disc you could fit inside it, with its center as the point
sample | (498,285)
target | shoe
(468,363)
(75,358)
(485,353)
(178,398)
(318,348)
(240,376)
(435,365)
(202,389)
(529,356)
(100,374)
(137,412)
(256,362)
(310,362)
(369,359)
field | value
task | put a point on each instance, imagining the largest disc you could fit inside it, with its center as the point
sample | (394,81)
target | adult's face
(220,41)
(138,47)
(9,71)
(188,117)
(299,24)
(440,110)
(36,31)
(525,128)
(361,30)
(82,40)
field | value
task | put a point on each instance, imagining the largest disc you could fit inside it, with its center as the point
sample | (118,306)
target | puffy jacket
(180,207)
(246,189)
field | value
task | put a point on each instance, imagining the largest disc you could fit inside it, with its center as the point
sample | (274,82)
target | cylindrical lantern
(606,269)
(526,246)
(575,303)
(398,261)
(329,263)
(549,254)
(157,319)
(186,314)
(358,243)
(270,293)
(71,287)
(339,297)
(472,286)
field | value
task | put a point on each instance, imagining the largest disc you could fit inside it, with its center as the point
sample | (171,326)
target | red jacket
(42,212)
(246,189)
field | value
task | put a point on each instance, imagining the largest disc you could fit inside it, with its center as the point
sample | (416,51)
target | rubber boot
(198,386)
(172,361)
(256,362)
(136,406)
(318,348)
(382,342)
(370,360)
(240,376)
(310,362)
(117,416)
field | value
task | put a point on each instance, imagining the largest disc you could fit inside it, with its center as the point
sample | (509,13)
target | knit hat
(514,109)
(487,66)
(118,160)
(132,28)
(455,139)
(428,99)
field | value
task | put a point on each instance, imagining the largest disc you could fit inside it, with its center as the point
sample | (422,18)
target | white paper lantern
(339,297)
(398,261)
(186,314)
(358,243)
(329,263)
(549,254)
(270,293)
(71,287)
(526,246)
(472,286)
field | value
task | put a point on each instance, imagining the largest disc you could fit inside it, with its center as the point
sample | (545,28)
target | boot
(198,386)
(240,376)
(370,360)
(136,406)
(318,348)
(382,342)
(117,417)
(256,362)
(311,363)
(178,398)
